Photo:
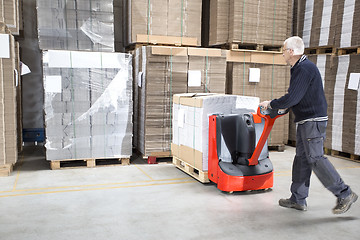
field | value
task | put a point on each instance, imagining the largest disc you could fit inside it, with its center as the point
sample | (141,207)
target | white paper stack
(191,123)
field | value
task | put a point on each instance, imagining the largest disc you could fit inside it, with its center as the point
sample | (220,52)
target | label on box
(254,75)
(354,81)
(5,46)
(194,78)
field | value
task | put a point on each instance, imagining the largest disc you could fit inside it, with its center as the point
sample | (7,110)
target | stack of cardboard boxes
(341,84)
(249,22)
(9,79)
(163,22)
(334,25)
(161,72)
(329,23)
(263,75)
(10,90)
(10,14)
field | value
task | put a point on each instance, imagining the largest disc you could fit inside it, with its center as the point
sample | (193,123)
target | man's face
(287,53)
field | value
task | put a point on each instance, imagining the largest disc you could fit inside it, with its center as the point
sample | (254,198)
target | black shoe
(290,204)
(343,204)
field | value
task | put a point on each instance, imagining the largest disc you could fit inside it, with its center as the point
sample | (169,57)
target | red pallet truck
(236,162)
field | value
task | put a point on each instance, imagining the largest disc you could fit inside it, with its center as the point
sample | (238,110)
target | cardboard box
(8,103)
(252,22)
(159,73)
(173,22)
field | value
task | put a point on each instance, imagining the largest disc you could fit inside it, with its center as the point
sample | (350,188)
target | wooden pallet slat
(199,175)
(321,50)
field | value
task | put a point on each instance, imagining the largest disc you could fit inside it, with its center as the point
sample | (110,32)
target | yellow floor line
(94,185)
(144,172)
(18,171)
(92,189)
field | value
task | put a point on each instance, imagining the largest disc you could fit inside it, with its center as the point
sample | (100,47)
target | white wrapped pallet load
(88,105)
(191,122)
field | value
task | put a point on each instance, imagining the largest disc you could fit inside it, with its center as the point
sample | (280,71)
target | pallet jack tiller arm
(270,115)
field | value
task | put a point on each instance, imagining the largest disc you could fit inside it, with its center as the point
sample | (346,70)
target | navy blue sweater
(305,95)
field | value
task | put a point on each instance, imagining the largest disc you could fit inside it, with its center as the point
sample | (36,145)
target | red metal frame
(229,183)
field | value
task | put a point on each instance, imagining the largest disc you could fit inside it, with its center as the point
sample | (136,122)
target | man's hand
(265,105)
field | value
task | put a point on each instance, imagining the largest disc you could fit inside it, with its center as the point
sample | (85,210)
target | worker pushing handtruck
(238,161)
(306,98)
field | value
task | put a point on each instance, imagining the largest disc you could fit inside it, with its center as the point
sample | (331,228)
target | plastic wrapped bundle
(76,25)
(88,105)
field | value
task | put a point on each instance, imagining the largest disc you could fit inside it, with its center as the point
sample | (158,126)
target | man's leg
(301,172)
(315,133)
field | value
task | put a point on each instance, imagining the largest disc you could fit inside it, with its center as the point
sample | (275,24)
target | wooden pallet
(249,46)
(343,155)
(254,46)
(350,50)
(292,143)
(277,147)
(157,40)
(321,50)
(192,171)
(155,157)
(6,170)
(76,163)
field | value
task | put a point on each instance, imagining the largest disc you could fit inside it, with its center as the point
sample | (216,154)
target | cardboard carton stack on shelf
(159,73)
(329,23)
(10,14)
(263,75)
(334,25)
(8,106)
(249,22)
(169,22)
(341,86)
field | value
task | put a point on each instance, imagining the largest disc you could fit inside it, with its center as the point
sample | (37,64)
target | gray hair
(296,44)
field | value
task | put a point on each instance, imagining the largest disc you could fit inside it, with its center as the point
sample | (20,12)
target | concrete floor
(143,201)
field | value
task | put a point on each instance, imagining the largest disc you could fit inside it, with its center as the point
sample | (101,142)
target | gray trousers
(310,157)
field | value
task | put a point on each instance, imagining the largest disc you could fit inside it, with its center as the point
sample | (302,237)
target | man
(307,100)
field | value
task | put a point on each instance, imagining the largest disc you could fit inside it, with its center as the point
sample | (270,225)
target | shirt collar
(302,58)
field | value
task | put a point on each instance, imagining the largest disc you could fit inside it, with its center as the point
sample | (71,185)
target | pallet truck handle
(270,115)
